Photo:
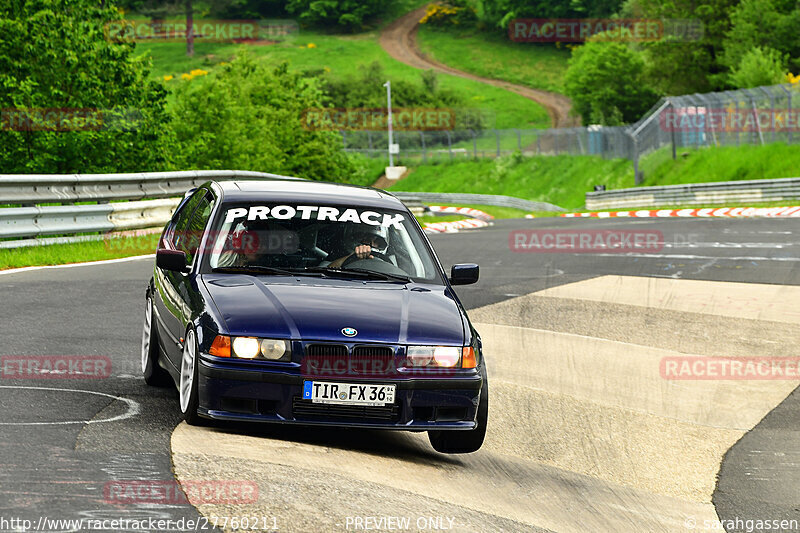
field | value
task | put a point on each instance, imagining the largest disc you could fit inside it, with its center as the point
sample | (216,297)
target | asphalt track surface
(59,448)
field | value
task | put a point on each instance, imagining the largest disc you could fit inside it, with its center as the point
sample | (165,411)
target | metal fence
(731,118)
(714,193)
(429,146)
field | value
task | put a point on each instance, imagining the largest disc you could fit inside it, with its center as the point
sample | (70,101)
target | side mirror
(464,274)
(174,260)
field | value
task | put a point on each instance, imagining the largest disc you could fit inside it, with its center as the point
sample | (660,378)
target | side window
(182,218)
(189,240)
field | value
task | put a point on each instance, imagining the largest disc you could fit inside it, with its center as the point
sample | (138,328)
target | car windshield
(343,241)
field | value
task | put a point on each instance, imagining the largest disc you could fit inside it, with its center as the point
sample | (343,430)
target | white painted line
(70,265)
(682,256)
(133,408)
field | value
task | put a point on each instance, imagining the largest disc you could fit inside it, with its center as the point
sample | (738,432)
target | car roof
(296,190)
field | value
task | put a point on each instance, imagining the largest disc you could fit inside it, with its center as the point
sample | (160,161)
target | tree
(759,66)
(684,63)
(763,23)
(248,116)
(606,83)
(349,15)
(160,9)
(500,13)
(55,60)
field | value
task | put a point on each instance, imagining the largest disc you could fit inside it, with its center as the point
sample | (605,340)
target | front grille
(332,361)
(306,410)
(327,350)
(373,351)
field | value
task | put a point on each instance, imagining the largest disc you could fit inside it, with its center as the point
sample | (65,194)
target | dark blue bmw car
(292,301)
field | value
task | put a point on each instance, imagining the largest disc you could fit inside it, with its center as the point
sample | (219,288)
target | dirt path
(399,39)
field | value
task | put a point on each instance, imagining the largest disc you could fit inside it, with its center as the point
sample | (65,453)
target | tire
(154,375)
(465,441)
(187,387)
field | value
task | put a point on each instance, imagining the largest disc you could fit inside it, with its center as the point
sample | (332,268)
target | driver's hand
(364,251)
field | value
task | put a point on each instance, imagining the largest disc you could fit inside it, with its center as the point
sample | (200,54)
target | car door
(172,306)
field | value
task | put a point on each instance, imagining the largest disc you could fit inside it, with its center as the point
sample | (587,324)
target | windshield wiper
(381,275)
(359,273)
(260,269)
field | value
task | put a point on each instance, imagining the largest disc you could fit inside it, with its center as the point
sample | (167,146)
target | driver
(368,240)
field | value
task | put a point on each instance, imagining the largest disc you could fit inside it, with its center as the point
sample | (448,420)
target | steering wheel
(375,255)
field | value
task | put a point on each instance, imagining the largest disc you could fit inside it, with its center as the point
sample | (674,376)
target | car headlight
(251,348)
(274,349)
(246,347)
(437,356)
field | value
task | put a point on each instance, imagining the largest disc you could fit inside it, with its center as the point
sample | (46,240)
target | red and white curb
(478,219)
(468,211)
(455,226)
(706,212)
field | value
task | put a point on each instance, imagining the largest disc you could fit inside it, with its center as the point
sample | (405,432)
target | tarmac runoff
(584,435)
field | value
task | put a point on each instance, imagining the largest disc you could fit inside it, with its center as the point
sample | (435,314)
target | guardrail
(67,219)
(481,199)
(30,223)
(697,194)
(32,189)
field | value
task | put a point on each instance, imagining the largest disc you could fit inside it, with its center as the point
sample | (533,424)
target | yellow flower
(198,72)
(186,77)
(326,69)
(168,77)
(312,45)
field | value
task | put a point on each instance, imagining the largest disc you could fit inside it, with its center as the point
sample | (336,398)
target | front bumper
(237,393)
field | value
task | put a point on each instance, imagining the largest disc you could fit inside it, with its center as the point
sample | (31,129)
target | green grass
(564,180)
(495,211)
(432,218)
(493,55)
(722,164)
(59,254)
(342,54)
(561,180)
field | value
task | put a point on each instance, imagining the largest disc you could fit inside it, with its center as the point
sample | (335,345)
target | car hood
(318,309)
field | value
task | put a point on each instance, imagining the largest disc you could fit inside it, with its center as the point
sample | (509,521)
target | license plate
(348,393)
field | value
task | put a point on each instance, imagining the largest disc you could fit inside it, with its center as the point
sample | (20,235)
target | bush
(454,12)
(247,116)
(348,15)
(54,55)
(606,83)
(500,13)
(759,66)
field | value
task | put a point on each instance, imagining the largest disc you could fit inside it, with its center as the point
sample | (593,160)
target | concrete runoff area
(585,434)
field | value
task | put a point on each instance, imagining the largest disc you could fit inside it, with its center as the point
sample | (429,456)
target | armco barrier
(68,219)
(32,189)
(54,220)
(719,193)
(35,221)
(481,199)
